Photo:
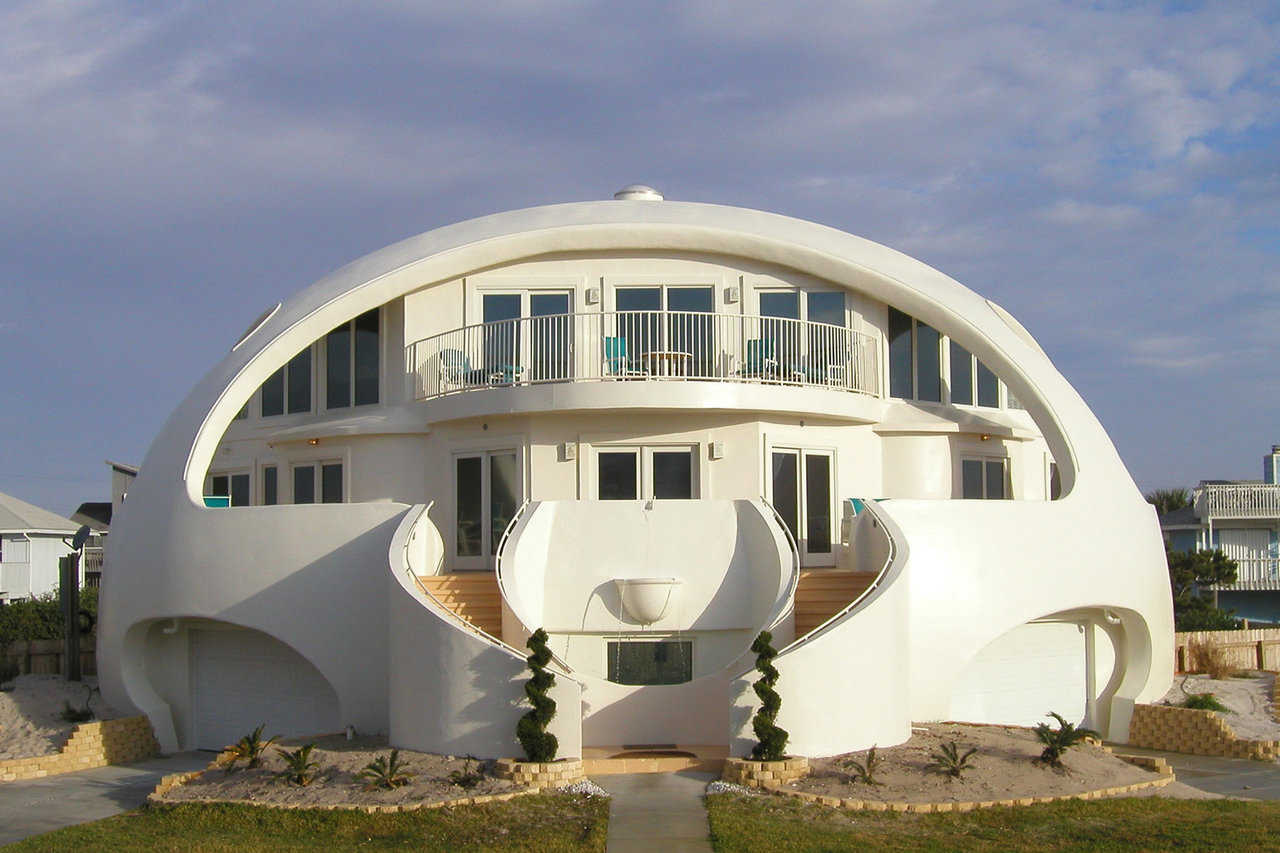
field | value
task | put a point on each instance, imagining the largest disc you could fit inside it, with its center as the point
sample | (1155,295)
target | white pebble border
(719,786)
(586,788)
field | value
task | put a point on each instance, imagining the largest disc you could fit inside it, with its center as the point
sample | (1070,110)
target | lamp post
(69,593)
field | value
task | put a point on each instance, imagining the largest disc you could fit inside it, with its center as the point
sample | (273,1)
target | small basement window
(661,662)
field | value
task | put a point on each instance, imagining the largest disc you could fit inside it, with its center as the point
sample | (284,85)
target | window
(528,334)
(289,388)
(914,359)
(270,485)
(330,483)
(802,492)
(967,373)
(352,355)
(650,662)
(488,489)
(233,486)
(1055,482)
(662,473)
(682,330)
(984,479)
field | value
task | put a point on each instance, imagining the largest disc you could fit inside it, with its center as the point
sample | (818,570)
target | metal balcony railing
(1237,500)
(645,346)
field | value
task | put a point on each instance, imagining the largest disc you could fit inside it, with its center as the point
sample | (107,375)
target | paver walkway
(657,811)
(1231,777)
(37,806)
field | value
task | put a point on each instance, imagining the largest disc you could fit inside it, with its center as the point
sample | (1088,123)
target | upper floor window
(968,375)
(329,481)
(352,362)
(984,478)
(917,367)
(289,388)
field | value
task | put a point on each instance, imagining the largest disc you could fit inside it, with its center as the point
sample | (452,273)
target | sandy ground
(1002,769)
(1248,698)
(340,760)
(30,714)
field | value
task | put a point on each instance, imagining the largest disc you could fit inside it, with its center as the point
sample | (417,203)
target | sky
(1108,172)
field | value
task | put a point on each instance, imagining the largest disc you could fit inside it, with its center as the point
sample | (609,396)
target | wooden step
(473,597)
(822,593)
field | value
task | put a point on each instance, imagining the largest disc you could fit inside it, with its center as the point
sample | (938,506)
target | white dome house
(654,429)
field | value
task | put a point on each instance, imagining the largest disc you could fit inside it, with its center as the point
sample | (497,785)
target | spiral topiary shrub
(537,742)
(771,740)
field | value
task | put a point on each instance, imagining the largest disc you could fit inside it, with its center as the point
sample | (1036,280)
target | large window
(528,334)
(352,354)
(684,333)
(323,480)
(651,662)
(232,486)
(289,388)
(969,375)
(984,479)
(631,473)
(488,489)
(916,367)
(801,483)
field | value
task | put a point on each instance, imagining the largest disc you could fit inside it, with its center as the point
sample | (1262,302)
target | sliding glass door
(488,491)
(801,489)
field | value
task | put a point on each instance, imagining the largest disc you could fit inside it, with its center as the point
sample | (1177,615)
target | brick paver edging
(1195,732)
(754,774)
(95,744)
(541,774)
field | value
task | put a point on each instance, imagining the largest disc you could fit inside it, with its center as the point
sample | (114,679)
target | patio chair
(617,363)
(759,361)
(506,374)
(455,369)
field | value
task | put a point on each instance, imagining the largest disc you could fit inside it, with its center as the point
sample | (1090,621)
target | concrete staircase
(472,595)
(822,593)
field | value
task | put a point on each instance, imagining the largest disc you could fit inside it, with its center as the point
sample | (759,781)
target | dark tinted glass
(786,305)
(673,474)
(503,492)
(690,298)
(220,485)
(337,351)
(817,504)
(367,358)
(786,478)
(928,364)
(826,308)
(470,502)
(331,483)
(243,413)
(900,359)
(665,662)
(239,489)
(971,475)
(550,336)
(300,382)
(1055,482)
(961,375)
(304,484)
(995,480)
(616,476)
(270,486)
(643,332)
(273,394)
(638,299)
(988,387)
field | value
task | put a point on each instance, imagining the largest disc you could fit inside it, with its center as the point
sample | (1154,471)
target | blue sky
(1109,172)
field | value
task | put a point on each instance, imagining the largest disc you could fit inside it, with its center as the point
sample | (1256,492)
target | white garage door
(1021,676)
(241,679)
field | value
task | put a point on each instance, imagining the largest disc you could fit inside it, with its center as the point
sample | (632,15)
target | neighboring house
(32,540)
(1242,519)
(97,515)
(653,429)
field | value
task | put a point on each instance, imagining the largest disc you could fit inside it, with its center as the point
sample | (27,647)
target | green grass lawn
(741,824)
(552,822)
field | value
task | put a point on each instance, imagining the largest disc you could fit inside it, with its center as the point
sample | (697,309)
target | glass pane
(900,360)
(337,350)
(470,506)
(270,486)
(786,484)
(928,364)
(665,662)
(995,480)
(642,332)
(331,483)
(220,485)
(367,358)
(304,484)
(239,489)
(961,375)
(273,394)
(504,494)
(638,298)
(817,504)
(971,475)
(551,335)
(690,299)
(616,476)
(784,334)
(786,305)
(1055,482)
(300,382)
(988,387)
(826,308)
(673,474)
(501,333)
(689,333)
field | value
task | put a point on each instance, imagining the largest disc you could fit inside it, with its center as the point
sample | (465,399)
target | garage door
(241,679)
(1018,678)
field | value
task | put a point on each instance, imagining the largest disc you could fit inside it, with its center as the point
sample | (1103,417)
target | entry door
(801,489)
(488,490)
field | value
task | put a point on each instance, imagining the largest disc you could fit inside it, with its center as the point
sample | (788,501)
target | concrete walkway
(37,806)
(1231,777)
(657,811)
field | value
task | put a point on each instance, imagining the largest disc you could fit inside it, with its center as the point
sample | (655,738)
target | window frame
(486,559)
(230,474)
(984,460)
(283,373)
(645,477)
(323,369)
(802,453)
(317,466)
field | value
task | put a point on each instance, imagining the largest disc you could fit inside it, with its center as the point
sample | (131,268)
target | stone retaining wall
(1193,731)
(760,774)
(539,775)
(94,744)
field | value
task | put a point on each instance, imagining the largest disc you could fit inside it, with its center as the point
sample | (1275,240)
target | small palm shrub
(1204,702)
(250,749)
(467,777)
(72,714)
(865,771)
(771,741)
(538,743)
(385,772)
(299,768)
(951,761)
(1058,741)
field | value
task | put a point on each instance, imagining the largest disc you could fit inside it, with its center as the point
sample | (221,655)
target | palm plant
(468,776)
(865,771)
(385,772)
(949,759)
(249,749)
(1057,741)
(299,769)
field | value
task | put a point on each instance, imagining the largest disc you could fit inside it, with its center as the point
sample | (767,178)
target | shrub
(1209,658)
(467,777)
(771,741)
(1204,702)
(538,743)
(72,714)
(1059,740)
(949,760)
(299,768)
(864,771)
(249,749)
(385,772)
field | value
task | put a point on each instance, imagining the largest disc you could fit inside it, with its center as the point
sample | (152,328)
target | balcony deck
(1237,500)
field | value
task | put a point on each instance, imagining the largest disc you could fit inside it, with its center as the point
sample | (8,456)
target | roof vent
(637,192)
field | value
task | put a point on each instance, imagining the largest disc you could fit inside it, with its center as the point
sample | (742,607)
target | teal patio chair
(617,363)
(759,361)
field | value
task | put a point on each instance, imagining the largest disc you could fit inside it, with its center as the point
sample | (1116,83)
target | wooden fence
(1256,648)
(45,656)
